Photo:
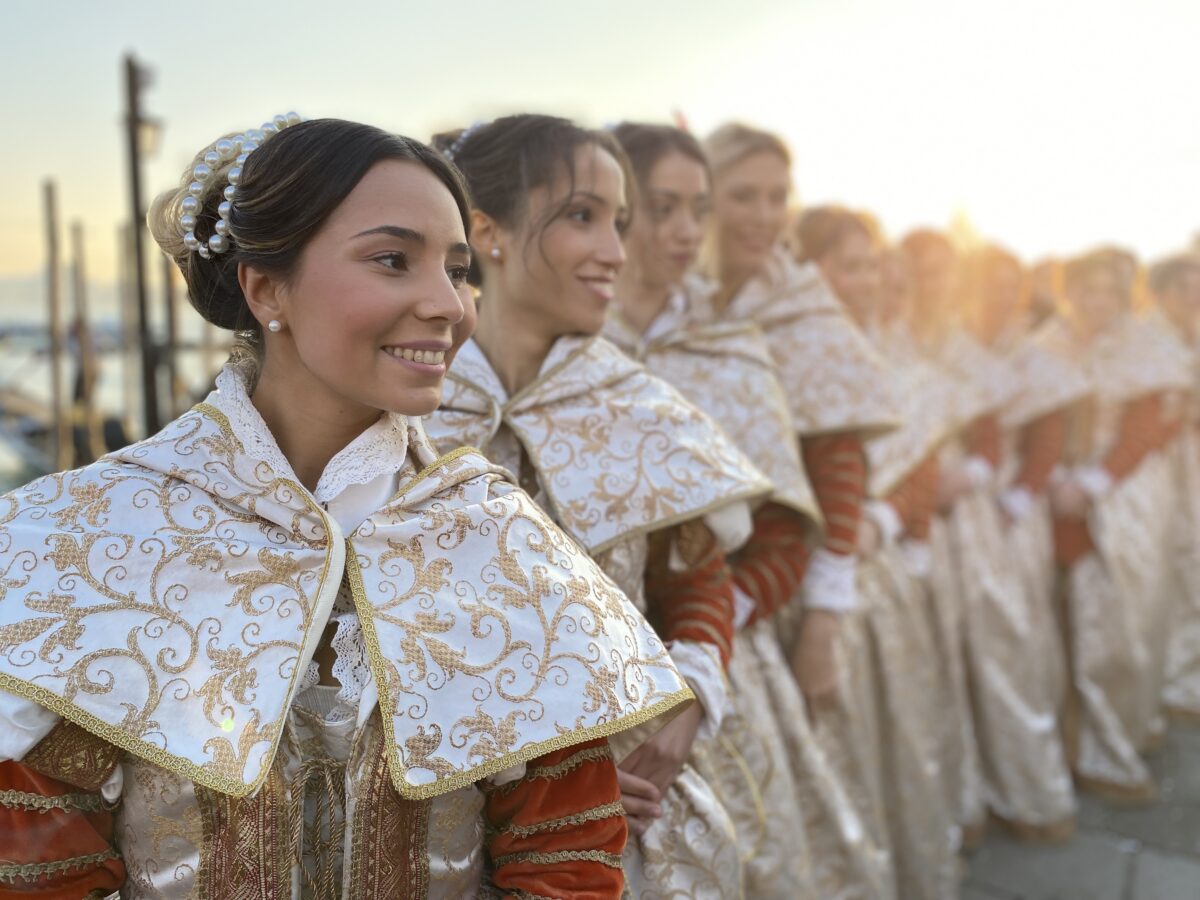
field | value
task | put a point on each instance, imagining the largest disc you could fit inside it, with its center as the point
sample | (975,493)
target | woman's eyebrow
(395,231)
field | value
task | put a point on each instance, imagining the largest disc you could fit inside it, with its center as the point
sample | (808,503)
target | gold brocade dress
(618,455)
(1118,608)
(718,367)
(834,383)
(1026,780)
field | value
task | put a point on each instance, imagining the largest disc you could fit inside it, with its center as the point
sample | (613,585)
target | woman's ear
(262,293)
(486,237)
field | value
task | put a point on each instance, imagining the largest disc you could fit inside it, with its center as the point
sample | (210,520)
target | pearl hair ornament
(237,148)
(459,142)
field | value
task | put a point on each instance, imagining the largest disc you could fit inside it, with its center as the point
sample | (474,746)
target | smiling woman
(301,650)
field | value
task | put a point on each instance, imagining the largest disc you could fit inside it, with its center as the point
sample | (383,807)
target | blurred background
(1046,126)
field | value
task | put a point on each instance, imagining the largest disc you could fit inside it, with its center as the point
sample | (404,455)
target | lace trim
(351,667)
(612,860)
(607,811)
(380,450)
(37,802)
(12,872)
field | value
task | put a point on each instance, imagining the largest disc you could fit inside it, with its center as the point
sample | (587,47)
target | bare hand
(953,482)
(641,799)
(814,660)
(662,756)
(1070,500)
(869,537)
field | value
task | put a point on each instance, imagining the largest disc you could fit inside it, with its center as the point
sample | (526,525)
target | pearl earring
(495,253)
(274,325)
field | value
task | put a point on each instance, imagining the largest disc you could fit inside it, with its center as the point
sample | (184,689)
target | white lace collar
(380,450)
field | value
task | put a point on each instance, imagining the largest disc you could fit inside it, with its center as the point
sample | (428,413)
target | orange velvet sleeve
(1144,428)
(837,468)
(985,439)
(695,604)
(56,840)
(915,499)
(560,830)
(770,567)
(1043,442)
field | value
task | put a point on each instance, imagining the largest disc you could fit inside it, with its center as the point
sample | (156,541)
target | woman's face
(1002,286)
(562,276)
(1097,299)
(852,269)
(673,205)
(379,293)
(750,203)
(934,272)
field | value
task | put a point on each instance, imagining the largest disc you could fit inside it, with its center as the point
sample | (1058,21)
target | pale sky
(1052,125)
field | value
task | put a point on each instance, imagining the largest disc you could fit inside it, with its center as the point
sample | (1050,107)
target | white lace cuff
(918,557)
(731,525)
(886,519)
(829,582)
(1018,502)
(743,608)
(1095,481)
(700,665)
(979,472)
(23,724)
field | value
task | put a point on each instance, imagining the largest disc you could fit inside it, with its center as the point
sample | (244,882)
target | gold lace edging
(612,860)
(10,873)
(177,765)
(606,811)
(24,800)
(470,775)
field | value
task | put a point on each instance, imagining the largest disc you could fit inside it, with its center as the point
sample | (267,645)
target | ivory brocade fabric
(847,859)
(168,599)
(1118,606)
(834,379)
(618,455)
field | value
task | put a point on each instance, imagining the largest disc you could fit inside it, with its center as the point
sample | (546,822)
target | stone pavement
(1119,853)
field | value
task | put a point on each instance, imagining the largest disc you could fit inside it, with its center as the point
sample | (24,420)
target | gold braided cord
(41,803)
(606,811)
(612,860)
(10,873)
(574,761)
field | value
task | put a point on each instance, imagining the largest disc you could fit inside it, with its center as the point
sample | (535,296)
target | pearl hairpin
(237,148)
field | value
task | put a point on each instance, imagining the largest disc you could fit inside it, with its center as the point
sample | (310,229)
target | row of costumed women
(917,562)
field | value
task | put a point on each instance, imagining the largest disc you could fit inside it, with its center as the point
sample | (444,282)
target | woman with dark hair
(643,480)
(838,399)
(284,646)
(726,370)
(1112,539)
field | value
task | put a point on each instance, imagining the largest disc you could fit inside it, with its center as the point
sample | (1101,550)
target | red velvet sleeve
(770,567)
(56,839)
(1043,442)
(915,500)
(560,830)
(697,603)
(1144,428)
(837,468)
(985,439)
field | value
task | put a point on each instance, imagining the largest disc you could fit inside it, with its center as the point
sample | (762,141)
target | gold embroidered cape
(834,379)
(168,598)
(618,451)
(725,368)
